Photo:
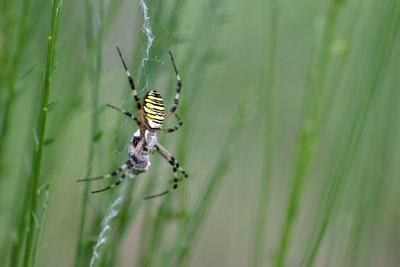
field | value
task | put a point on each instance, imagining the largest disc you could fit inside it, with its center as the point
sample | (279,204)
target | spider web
(113,210)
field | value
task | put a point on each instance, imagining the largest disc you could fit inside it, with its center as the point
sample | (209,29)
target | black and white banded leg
(176,167)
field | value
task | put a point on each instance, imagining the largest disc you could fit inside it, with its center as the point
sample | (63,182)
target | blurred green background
(290,113)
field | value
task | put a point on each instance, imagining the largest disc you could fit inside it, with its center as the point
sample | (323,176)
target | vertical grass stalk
(353,141)
(94,71)
(16,58)
(310,131)
(40,131)
(17,221)
(267,80)
(41,212)
(185,240)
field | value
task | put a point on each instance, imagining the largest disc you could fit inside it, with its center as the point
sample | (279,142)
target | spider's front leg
(127,113)
(178,88)
(131,83)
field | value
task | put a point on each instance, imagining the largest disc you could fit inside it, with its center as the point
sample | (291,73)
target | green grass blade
(182,246)
(267,83)
(41,131)
(309,133)
(12,79)
(352,144)
(94,42)
(40,212)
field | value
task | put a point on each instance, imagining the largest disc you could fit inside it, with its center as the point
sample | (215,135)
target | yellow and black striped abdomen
(153,107)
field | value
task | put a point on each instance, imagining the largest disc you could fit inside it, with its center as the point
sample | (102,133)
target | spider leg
(175,164)
(173,129)
(178,88)
(132,84)
(120,179)
(123,111)
(134,163)
(123,167)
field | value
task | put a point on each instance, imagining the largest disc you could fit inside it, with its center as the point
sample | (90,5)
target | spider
(144,141)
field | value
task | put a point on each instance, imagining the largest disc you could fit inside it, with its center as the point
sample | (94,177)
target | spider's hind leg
(123,168)
(175,164)
(120,179)
(173,129)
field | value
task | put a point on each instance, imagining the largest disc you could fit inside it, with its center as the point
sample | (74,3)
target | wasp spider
(150,119)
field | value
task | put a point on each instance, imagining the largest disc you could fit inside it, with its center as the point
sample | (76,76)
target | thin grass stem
(267,81)
(41,213)
(309,133)
(41,130)
(19,215)
(16,59)
(188,235)
(94,41)
(352,145)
